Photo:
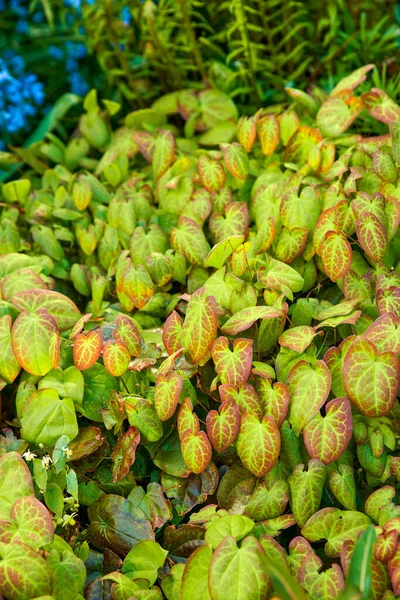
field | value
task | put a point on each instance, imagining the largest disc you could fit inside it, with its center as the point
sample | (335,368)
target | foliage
(199,357)
(138,50)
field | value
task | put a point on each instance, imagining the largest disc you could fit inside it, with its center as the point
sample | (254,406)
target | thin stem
(198,59)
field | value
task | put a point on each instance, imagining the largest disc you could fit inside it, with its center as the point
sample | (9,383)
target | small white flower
(46,461)
(41,446)
(28,456)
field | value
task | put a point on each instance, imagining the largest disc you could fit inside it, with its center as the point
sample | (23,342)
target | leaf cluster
(199,320)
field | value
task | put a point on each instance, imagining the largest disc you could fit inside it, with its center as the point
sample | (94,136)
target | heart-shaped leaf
(309,387)
(229,561)
(62,309)
(168,390)
(223,426)
(116,357)
(87,349)
(30,523)
(233,367)
(372,236)
(196,450)
(9,365)
(200,326)
(274,399)
(268,131)
(245,318)
(326,438)
(306,489)
(171,332)
(371,379)
(36,342)
(258,443)
(128,333)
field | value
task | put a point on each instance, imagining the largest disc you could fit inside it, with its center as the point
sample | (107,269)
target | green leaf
(46,417)
(227,565)
(360,565)
(36,341)
(117,525)
(69,574)
(15,482)
(144,560)
(195,575)
(237,526)
(306,489)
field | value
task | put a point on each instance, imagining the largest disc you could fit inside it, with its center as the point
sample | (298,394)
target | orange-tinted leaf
(36,342)
(371,379)
(124,453)
(163,153)
(200,326)
(187,420)
(326,438)
(274,398)
(168,390)
(236,160)
(211,173)
(258,443)
(223,426)
(380,106)
(232,366)
(62,309)
(384,333)
(336,255)
(196,450)
(245,318)
(372,236)
(128,333)
(298,338)
(247,132)
(87,349)
(171,332)
(9,365)
(309,387)
(244,396)
(291,244)
(116,357)
(268,133)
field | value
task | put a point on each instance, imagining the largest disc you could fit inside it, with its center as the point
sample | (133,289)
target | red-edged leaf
(380,106)
(124,453)
(388,300)
(171,332)
(232,366)
(384,333)
(187,420)
(235,221)
(309,387)
(30,523)
(353,80)
(9,365)
(196,450)
(384,166)
(36,341)
(371,379)
(298,338)
(258,443)
(128,333)
(163,153)
(62,309)
(79,325)
(336,255)
(223,426)
(394,571)
(268,133)
(19,281)
(190,240)
(372,236)
(300,144)
(211,173)
(337,113)
(116,357)
(326,438)
(274,398)
(246,317)
(200,326)
(247,132)
(87,349)
(168,390)
(291,244)
(236,160)
(244,396)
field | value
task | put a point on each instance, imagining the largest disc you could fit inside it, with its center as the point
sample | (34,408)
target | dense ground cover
(136,51)
(199,357)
